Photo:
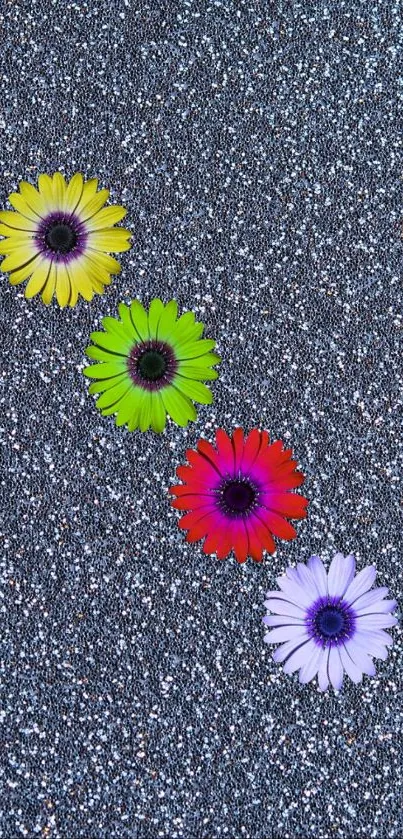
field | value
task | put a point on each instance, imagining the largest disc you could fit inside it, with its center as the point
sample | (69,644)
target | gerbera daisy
(60,238)
(329,623)
(238,494)
(151,365)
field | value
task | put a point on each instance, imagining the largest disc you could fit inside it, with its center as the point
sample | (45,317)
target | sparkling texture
(258,150)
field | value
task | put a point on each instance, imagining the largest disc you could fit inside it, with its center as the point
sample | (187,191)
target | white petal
(360,658)
(380,607)
(308,581)
(341,572)
(295,592)
(323,677)
(353,671)
(298,658)
(311,667)
(371,597)
(361,583)
(377,621)
(335,669)
(281,653)
(285,633)
(318,572)
(292,574)
(282,620)
(371,645)
(383,637)
(282,606)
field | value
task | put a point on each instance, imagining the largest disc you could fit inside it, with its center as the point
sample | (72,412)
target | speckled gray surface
(257,147)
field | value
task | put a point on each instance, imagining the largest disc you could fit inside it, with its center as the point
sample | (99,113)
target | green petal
(146,411)
(194,349)
(178,406)
(105,371)
(190,371)
(105,384)
(100,354)
(167,321)
(186,329)
(155,311)
(124,312)
(129,408)
(139,319)
(114,327)
(195,390)
(121,346)
(159,415)
(113,394)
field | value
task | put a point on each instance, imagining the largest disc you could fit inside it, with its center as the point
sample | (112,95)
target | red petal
(278,525)
(226,452)
(239,540)
(208,451)
(263,533)
(203,468)
(283,482)
(192,502)
(224,543)
(251,450)
(288,504)
(190,489)
(238,446)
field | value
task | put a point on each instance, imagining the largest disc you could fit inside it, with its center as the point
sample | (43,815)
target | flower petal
(310,668)
(318,572)
(340,575)
(335,669)
(299,657)
(289,647)
(360,584)
(285,633)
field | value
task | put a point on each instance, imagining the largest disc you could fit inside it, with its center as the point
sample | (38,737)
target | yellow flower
(60,238)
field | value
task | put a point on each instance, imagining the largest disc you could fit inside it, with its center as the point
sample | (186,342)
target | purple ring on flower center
(237,497)
(330,621)
(61,236)
(152,365)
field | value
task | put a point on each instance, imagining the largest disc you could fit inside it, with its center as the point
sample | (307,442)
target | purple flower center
(237,497)
(152,365)
(330,621)
(61,236)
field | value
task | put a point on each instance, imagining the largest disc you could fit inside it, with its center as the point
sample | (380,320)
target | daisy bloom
(329,623)
(237,495)
(60,237)
(151,364)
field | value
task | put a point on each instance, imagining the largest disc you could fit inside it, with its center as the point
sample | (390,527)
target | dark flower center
(237,497)
(60,237)
(152,365)
(330,621)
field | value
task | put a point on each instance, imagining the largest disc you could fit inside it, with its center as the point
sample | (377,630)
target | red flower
(237,495)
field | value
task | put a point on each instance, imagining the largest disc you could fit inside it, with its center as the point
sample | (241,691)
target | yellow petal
(14,243)
(106,218)
(107,262)
(74,192)
(38,279)
(19,203)
(17,221)
(21,274)
(73,294)
(115,239)
(18,258)
(79,276)
(45,185)
(33,198)
(89,190)
(62,284)
(94,205)
(49,288)
(59,190)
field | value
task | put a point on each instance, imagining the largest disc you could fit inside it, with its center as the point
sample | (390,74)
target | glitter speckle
(257,148)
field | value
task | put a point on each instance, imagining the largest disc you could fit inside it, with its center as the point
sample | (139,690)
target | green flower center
(151,365)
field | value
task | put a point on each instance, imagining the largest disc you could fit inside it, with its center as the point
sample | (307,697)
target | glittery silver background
(257,147)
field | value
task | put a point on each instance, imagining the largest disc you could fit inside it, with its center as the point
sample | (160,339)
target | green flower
(151,364)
